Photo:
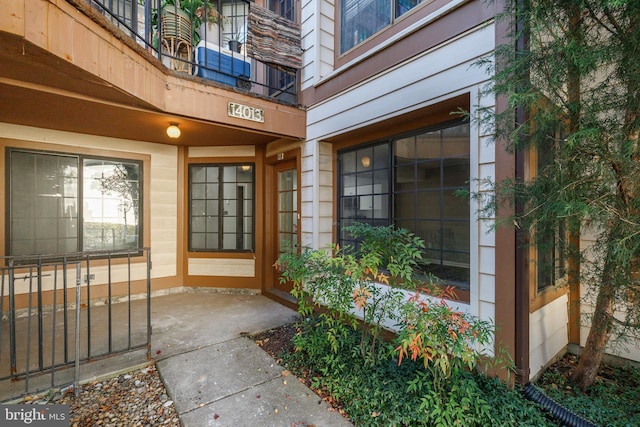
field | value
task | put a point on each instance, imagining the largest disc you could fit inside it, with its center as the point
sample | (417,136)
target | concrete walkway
(217,376)
(214,373)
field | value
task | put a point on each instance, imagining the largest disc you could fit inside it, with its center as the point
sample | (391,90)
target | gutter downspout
(521,283)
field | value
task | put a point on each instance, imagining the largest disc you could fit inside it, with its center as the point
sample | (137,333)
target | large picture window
(221,207)
(61,203)
(411,182)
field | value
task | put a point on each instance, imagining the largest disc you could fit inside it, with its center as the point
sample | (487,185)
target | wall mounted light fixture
(366,161)
(173,131)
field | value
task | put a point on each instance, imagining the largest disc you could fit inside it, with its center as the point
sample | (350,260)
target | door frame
(272,165)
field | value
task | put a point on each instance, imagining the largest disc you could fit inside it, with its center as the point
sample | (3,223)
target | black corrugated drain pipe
(559,412)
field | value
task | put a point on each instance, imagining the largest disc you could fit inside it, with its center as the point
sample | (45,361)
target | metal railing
(55,315)
(204,38)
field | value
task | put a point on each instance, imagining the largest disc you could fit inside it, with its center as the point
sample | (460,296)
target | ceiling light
(366,161)
(173,131)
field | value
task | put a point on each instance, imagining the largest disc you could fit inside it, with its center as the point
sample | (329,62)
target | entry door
(287,216)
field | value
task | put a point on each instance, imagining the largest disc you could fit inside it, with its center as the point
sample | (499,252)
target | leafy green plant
(347,282)
(349,296)
(445,340)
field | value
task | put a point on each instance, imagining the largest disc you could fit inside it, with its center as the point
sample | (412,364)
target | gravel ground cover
(137,398)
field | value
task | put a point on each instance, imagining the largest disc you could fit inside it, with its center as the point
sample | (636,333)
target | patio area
(200,346)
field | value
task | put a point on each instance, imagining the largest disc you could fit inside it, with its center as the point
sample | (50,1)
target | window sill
(236,255)
(547,295)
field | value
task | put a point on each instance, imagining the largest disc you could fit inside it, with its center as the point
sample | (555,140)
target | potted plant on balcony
(236,39)
(175,19)
(184,18)
(210,20)
(176,33)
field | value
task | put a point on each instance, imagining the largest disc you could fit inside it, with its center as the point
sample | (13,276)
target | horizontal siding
(548,333)
(629,350)
(225,151)
(432,76)
(227,267)
(326,192)
(318,28)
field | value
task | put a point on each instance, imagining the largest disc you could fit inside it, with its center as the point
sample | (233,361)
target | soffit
(416,119)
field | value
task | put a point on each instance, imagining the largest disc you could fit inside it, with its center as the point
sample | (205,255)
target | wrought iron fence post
(148,303)
(76,379)
(12,319)
(40,331)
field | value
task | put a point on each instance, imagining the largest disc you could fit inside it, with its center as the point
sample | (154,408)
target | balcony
(225,42)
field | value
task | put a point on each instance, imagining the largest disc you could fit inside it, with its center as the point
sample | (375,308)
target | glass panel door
(288,211)
(287,217)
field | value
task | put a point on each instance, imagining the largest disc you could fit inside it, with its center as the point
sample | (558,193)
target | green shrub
(346,283)
(392,394)
(611,401)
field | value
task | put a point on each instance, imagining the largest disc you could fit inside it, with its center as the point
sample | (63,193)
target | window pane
(198,207)
(428,146)
(364,183)
(111,203)
(365,159)
(348,162)
(198,174)
(43,203)
(455,172)
(381,156)
(456,141)
(230,190)
(403,6)
(454,206)
(198,241)
(361,19)
(404,150)
(405,204)
(381,206)
(229,173)
(245,173)
(211,191)
(212,241)
(229,242)
(198,224)
(405,178)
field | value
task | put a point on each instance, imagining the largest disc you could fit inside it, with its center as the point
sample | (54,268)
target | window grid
(411,182)
(221,207)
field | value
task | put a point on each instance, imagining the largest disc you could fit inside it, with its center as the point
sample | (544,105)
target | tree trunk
(587,369)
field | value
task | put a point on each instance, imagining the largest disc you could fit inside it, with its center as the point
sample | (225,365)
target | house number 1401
(245,112)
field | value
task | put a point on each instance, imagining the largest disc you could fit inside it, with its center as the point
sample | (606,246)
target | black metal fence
(201,38)
(55,315)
